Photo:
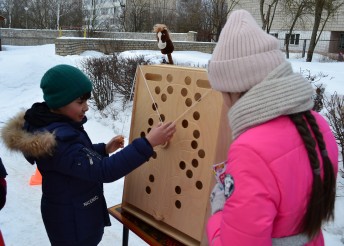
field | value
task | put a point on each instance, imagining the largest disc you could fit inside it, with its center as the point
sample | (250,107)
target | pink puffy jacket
(272,185)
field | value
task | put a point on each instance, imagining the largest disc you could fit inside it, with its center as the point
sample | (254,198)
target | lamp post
(58,16)
(26,9)
(1,19)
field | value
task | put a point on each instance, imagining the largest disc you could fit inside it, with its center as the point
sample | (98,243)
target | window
(341,41)
(297,39)
(104,11)
(274,34)
(293,39)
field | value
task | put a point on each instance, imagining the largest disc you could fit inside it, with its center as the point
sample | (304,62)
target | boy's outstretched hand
(114,144)
(161,134)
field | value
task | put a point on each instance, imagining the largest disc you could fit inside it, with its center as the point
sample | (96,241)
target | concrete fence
(71,42)
(30,37)
(75,46)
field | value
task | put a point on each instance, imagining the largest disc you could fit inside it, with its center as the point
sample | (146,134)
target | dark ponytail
(321,204)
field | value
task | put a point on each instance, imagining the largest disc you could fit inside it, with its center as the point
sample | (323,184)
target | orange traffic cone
(36,179)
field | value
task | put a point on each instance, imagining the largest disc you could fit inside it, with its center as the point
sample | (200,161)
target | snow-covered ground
(21,69)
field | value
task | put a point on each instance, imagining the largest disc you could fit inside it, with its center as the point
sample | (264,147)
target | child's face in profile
(75,110)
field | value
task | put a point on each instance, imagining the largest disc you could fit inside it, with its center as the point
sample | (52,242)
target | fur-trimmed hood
(16,138)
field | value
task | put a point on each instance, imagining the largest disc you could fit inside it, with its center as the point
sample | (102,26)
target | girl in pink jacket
(279,185)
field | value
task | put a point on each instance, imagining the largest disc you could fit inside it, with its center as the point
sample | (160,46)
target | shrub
(319,89)
(335,115)
(111,75)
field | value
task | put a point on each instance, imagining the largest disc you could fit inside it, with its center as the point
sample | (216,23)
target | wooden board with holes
(172,190)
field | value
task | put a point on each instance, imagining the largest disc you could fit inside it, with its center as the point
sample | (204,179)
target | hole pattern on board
(162,95)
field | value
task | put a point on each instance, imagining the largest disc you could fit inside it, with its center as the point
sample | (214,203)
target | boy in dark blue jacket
(51,134)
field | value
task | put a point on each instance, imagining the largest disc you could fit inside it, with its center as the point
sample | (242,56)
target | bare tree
(7,11)
(14,12)
(137,14)
(189,18)
(120,17)
(42,14)
(209,24)
(319,6)
(331,7)
(92,15)
(268,16)
(295,10)
(164,12)
(217,12)
(69,14)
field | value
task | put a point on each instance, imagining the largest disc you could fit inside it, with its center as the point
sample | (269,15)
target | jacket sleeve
(79,161)
(100,149)
(126,160)
(248,214)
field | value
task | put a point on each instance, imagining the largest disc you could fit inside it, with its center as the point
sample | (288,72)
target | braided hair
(321,204)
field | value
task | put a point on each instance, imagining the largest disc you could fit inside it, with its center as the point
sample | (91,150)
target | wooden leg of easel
(125,237)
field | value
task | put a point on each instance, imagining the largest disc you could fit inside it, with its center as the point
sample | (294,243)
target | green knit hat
(63,84)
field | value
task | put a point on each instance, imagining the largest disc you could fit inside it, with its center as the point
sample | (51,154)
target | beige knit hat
(244,54)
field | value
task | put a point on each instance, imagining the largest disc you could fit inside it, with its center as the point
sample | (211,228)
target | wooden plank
(174,186)
(149,234)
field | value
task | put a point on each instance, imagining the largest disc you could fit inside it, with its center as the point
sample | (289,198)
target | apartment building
(330,41)
(128,15)
(103,14)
